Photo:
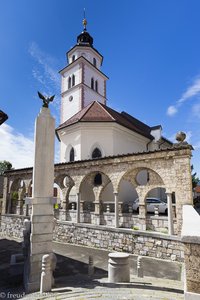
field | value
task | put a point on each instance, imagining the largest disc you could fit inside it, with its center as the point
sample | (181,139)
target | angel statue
(46,100)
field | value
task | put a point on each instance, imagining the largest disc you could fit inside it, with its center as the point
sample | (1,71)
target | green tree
(195,179)
(4,166)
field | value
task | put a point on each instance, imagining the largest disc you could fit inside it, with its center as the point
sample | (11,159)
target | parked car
(151,203)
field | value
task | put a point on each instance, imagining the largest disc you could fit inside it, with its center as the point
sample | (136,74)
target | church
(90,129)
(108,158)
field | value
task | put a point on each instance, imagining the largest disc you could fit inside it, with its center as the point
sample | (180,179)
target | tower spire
(84,21)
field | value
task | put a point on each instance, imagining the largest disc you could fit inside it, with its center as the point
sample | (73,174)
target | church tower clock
(82,80)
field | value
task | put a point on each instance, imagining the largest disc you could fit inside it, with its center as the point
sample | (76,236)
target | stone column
(170,214)
(63,209)
(142,215)
(42,216)
(78,208)
(9,203)
(19,209)
(116,210)
(6,196)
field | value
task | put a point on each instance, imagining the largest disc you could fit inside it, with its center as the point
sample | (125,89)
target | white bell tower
(82,80)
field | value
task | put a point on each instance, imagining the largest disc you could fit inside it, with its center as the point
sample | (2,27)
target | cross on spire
(84,20)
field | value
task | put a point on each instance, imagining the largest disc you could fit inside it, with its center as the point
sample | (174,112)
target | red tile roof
(97,112)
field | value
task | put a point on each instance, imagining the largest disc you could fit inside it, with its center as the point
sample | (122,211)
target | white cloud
(192,91)
(45,72)
(196,146)
(171,111)
(15,147)
(196,110)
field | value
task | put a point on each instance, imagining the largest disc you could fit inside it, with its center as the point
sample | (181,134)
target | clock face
(70,98)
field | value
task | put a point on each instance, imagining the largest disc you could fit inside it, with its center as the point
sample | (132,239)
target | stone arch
(15,184)
(90,179)
(65,184)
(89,191)
(17,194)
(152,188)
(131,176)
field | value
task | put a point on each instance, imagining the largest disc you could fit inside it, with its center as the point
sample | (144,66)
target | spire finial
(84,20)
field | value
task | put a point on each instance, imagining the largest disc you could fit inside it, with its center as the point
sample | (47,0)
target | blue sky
(151,54)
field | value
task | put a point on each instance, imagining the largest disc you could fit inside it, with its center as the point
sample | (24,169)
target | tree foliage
(4,166)
(195,179)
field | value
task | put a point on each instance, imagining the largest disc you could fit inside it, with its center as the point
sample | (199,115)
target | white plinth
(118,267)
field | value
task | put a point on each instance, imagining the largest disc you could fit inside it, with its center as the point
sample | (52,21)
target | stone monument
(42,217)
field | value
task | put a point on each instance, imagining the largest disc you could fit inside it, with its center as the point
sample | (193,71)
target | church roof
(98,112)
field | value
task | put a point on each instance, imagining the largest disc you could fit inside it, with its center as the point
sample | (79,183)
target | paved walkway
(82,288)
(72,281)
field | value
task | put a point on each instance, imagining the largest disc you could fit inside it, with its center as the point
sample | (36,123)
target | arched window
(96,86)
(73,80)
(94,62)
(97,179)
(73,58)
(92,83)
(69,82)
(71,155)
(96,153)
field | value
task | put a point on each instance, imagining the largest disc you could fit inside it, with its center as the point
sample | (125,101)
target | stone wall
(12,226)
(120,239)
(191,241)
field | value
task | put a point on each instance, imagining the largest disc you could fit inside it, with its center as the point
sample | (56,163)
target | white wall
(76,70)
(111,138)
(127,141)
(90,95)
(95,134)
(70,108)
(127,192)
(88,74)
(86,52)
(71,138)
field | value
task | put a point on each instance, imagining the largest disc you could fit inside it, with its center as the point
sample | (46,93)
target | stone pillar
(170,214)
(97,207)
(116,210)
(64,205)
(118,267)
(142,191)
(19,209)
(142,216)
(9,203)
(5,196)
(42,215)
(78,208)
(46,276)
(190,237)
